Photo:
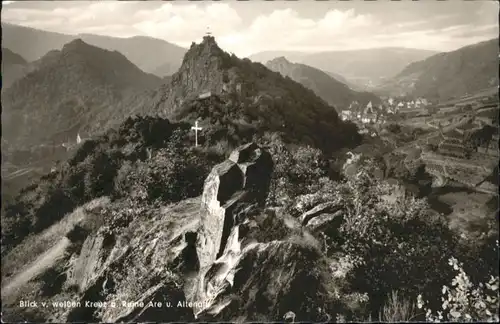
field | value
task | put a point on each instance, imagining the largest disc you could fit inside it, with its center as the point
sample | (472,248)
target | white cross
(196,129)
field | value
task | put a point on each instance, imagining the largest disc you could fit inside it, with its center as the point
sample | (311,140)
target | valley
(460,170)
(335,186)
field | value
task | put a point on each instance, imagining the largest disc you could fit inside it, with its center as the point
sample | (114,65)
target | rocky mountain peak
(204,70)
(279,60)
(252,92)
(100,57)
(210,40)
(208,49)
(76,45)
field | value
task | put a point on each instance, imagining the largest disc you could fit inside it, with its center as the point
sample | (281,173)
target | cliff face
(244,176)
(203,70)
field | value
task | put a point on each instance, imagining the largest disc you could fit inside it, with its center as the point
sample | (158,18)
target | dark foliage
(481,137)
(146,158)
(254,94)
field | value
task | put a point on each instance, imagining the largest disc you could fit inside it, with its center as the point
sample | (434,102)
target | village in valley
(453,121)
(456,141)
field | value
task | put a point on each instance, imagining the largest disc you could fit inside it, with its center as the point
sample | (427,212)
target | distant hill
(365,68)
(252,93)
(149,54)
(9,57)
(292,56)
(325,86)
(449,75)
(340,78)
(13,67)
(78,89)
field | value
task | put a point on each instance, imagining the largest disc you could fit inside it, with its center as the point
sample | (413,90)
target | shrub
(115,164)
(172,175)
(398,309)
(464,301)
(402,245)
(295,170)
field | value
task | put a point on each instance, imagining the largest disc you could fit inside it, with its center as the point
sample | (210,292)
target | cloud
(346,30)
(447,39)
(286,29)
(276,29)
(184,24)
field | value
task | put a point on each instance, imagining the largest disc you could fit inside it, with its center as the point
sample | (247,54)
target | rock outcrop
(219,257)
(322,215)
(256,265)
(241,180)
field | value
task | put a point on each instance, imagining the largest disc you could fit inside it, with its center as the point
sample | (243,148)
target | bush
(295,170)
(464,301)
(172,175)
(402,245)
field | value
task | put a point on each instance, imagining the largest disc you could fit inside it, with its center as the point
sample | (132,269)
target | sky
(247,27)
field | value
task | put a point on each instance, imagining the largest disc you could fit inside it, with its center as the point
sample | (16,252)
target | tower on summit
(209,33)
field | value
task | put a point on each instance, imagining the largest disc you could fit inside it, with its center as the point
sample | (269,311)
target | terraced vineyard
(469,172)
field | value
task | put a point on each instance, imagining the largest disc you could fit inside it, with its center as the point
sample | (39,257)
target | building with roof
(346,114)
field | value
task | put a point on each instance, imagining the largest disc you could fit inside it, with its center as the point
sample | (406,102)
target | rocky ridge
(257,94)
(199,255)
